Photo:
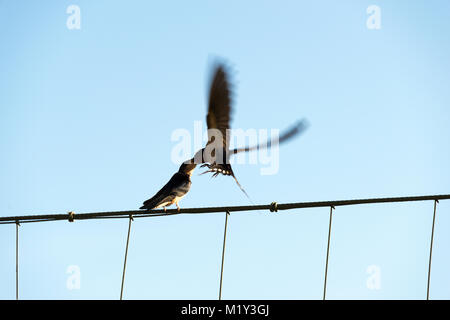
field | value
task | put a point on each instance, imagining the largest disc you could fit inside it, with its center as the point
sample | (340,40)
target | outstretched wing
(219,104)
(288,134)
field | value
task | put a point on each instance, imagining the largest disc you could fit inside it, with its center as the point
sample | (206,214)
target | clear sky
(87,115)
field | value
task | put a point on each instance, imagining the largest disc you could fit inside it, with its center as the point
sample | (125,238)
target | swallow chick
(174,190)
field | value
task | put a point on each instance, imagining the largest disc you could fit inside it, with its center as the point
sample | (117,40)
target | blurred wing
(219,104)
(295,130)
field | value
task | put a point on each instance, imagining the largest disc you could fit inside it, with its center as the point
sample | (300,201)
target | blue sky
(86,118)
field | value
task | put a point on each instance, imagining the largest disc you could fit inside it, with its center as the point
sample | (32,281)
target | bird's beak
(190,168)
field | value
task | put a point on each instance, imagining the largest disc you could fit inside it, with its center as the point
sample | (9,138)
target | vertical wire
(328,253)
(17,260)
(223,253)
(431,249)
(126,254)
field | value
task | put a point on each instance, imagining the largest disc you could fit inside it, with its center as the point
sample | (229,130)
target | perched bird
(215,155)
(180,183)
(174,190)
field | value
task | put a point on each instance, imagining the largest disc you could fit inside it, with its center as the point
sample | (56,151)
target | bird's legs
(178,207)
(214,169)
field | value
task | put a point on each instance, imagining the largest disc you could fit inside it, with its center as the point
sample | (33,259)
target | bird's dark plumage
(215,156)
(219,104)
(218,122)
(288,134)
(174,190)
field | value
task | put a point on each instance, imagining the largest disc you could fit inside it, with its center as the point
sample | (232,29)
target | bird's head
(187,167)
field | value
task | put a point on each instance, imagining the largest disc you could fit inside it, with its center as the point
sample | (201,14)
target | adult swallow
(180,183)
(216,154)
(174,190)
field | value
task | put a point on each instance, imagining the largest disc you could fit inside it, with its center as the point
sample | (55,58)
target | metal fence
(273,207)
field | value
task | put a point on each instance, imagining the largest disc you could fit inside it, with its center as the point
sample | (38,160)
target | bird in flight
(215,155)
(180,183)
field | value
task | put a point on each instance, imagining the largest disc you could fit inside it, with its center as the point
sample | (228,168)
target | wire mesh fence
(273,207)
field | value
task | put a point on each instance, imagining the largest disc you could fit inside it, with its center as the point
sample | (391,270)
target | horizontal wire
(159,212)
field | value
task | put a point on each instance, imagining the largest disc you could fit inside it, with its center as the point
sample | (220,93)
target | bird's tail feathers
(151,203)
(242,189)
